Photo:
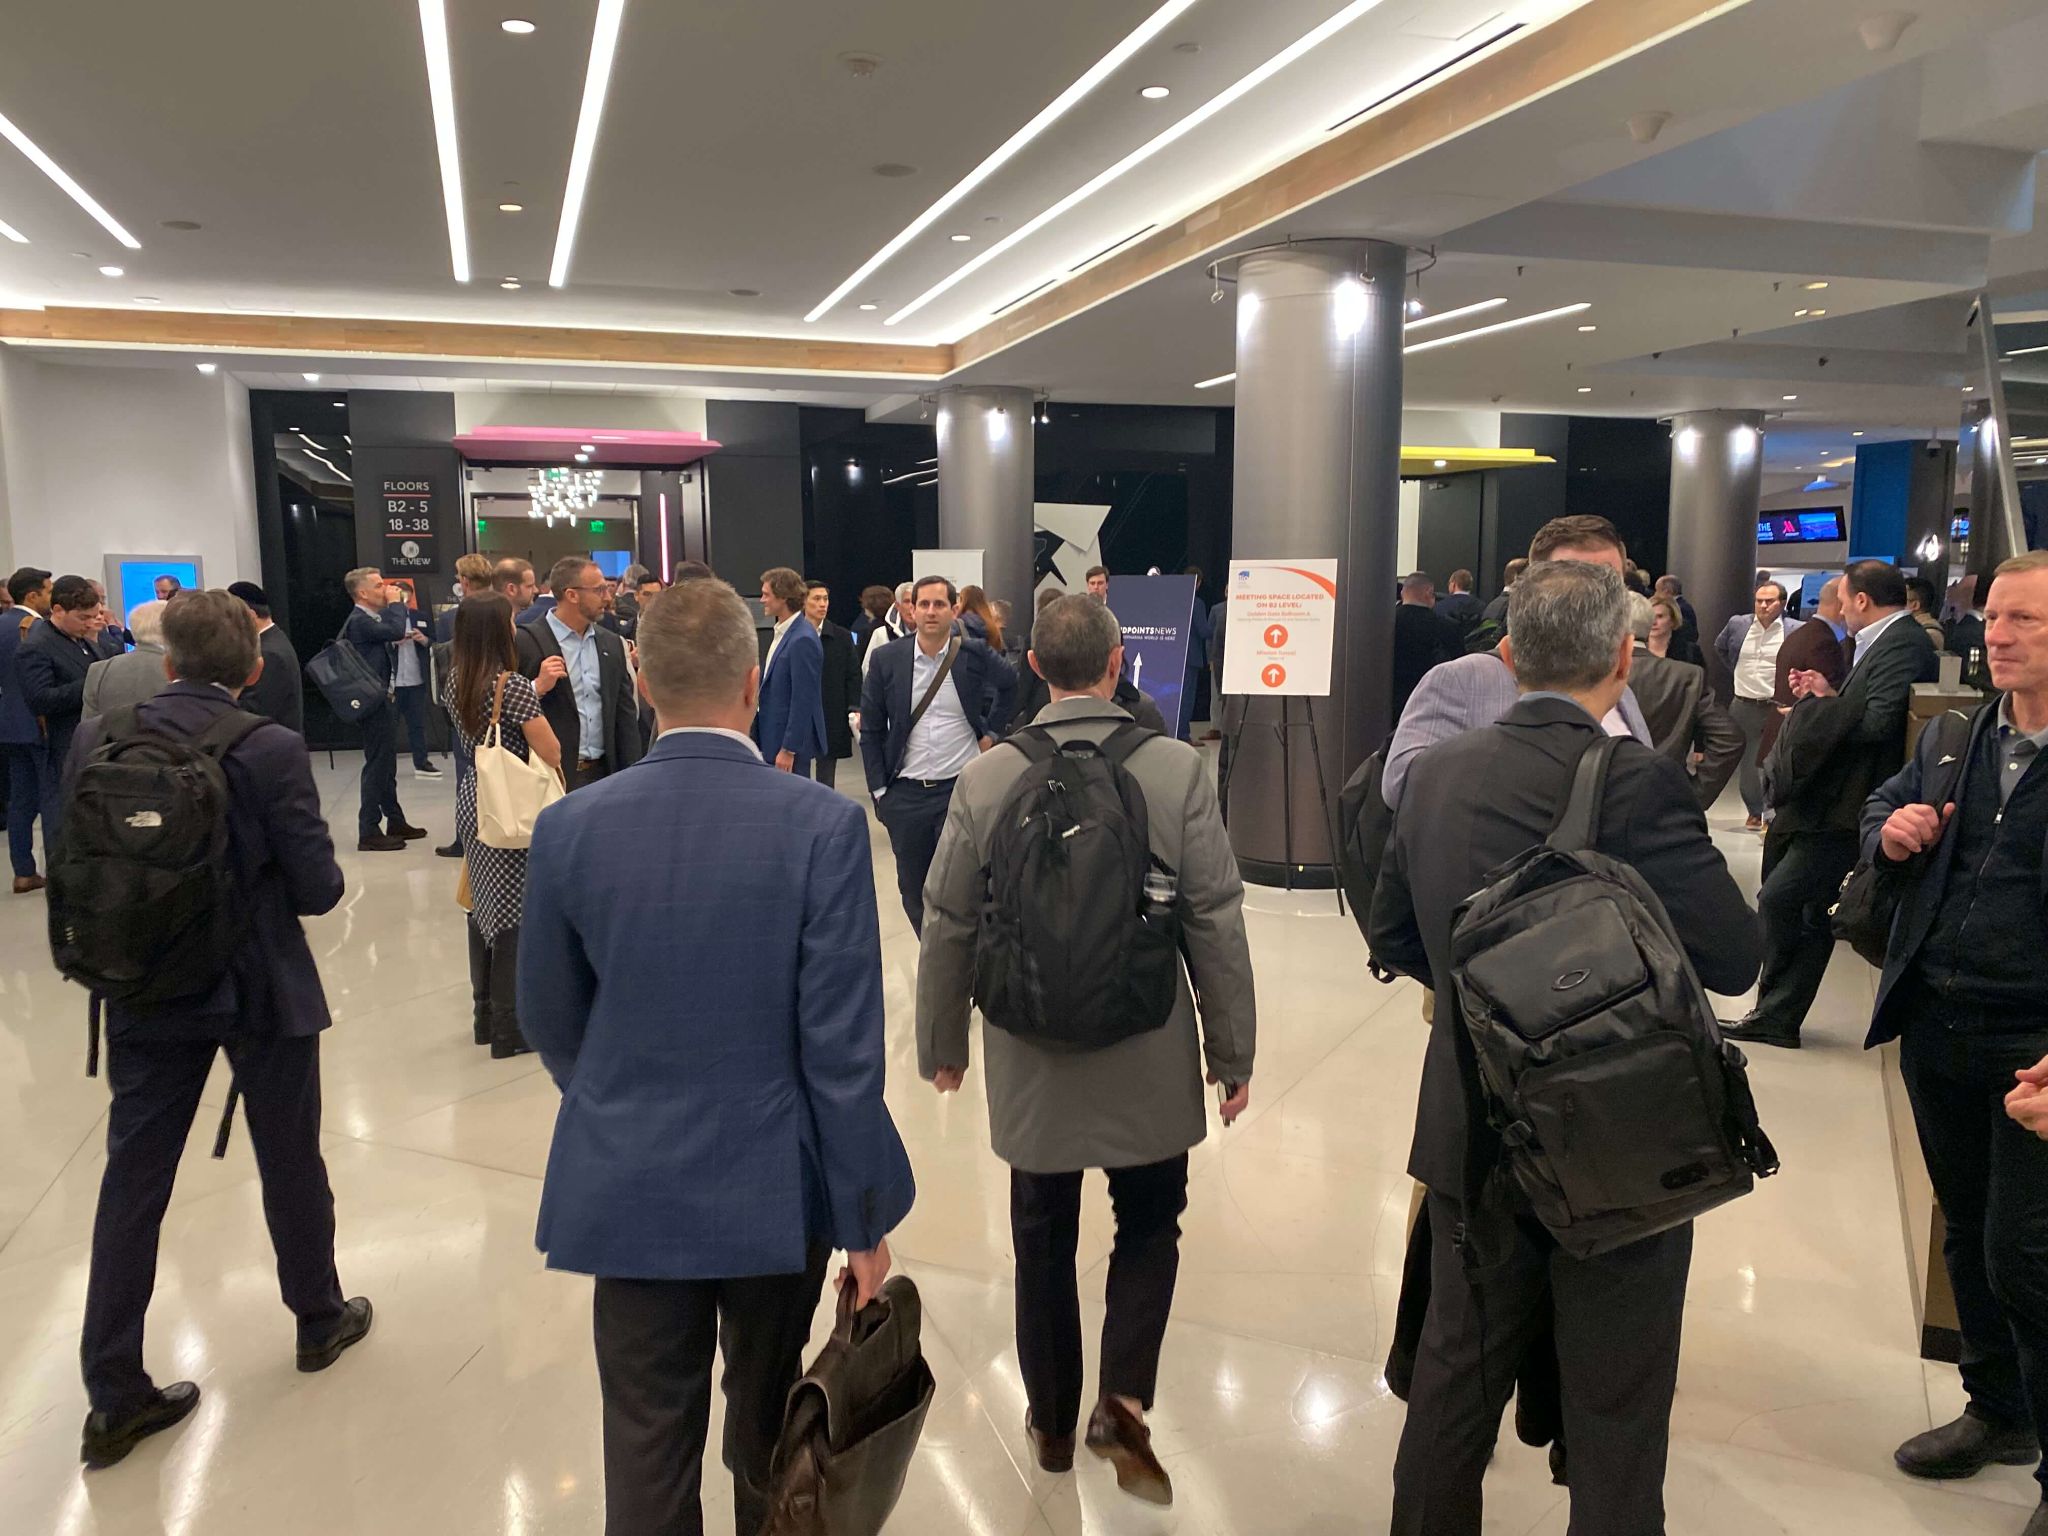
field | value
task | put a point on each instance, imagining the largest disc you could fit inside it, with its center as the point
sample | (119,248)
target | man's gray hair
(1640,613)
(146,623)
(905,590)
(354,582)
(1566,625)
(697,645)
(1072,638)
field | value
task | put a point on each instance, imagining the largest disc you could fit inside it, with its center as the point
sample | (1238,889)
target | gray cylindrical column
(1717,467)
(1318,474)
(985,486)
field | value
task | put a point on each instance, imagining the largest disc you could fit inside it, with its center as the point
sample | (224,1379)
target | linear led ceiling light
(1306,43)
(1499,325)
(604,43)
(441,93)
(1453,314)
(12,233)
(1221,378)
(1055,109)
(72,189)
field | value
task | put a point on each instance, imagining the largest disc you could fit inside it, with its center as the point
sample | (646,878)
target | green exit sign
(597,525)
(480,525)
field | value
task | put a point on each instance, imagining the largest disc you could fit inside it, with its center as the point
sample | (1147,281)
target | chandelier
(566,493)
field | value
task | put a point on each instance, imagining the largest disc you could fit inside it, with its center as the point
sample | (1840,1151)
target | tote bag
(511,791)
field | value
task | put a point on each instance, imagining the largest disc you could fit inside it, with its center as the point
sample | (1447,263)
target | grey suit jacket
(123,680)
(1141,1100)
(1459,696)
(1684,717)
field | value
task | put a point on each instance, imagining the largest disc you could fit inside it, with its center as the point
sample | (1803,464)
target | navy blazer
(714,1021)
(374,637)
(52,668)
(18,724)
(986,683)
(791,717)
(283,863)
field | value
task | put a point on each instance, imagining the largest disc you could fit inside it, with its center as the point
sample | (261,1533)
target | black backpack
(1622,1112)
(1079,944)
(1364,823)
(1870,896)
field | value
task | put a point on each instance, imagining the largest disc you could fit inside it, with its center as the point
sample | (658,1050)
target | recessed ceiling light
(1416,307)
(961,239)
(72,189)
(1969,388)
(871,306)
(1816,313)
(1584,328)
(441,96)
(1443,463)
(1814,287)
(112,271)
(12,233)
(1221,378)
(1224,98)
(341,405)
(509,283)
(1053,110)
(1788,397)
(590,447)
(1499,325)
(206,367)
(1585,389)
(310,378)
(147,298)
(1453,314)
(1801,314)
(1155,93)
(582,458)
(604,44)
(511,207)
(1855,434)
(516,27)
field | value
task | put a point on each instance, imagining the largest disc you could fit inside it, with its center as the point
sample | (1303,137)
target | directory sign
(1280,627)
(408,509)
(1157,616)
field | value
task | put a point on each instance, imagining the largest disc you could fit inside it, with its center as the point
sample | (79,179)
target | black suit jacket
(1832,752)
(623,740)
(282,859)
(985,682)
(1034,693)
(1684,717)
(840,685)
(278,694)
(1477,800)
(52,668)
(1422,638)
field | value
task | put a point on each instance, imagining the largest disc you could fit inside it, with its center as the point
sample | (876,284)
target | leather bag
(350,685)
(1871,894)
(511,791)
(852,1423)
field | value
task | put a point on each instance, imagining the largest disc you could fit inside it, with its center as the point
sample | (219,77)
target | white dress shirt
(1756,664)
(781,629)
(943,742)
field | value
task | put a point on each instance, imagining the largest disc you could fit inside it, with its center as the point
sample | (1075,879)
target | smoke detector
(861,66)
(1644,127)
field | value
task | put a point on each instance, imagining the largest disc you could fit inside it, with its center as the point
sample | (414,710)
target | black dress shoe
(450,850)
(1748,1030)
(354,1323)
(411,834)
(1967,1446)
(107,1440)
(1055,1453)
(1118,1436)
(504,1050)
(379,842)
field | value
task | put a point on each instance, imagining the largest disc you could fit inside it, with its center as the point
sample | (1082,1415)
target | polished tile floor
(473,1407)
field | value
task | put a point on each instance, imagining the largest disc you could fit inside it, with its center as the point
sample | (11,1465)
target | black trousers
(655,1341)
(28,775)
(412,709)
(1045,1226)
(914,813)
(586,770)
(1618,1319)
(1991,1176)
(1752,717)
(825,770)
(1802,874)
(379,806)
(156,1087)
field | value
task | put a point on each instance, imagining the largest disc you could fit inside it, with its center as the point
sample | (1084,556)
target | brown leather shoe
(23,884)
(1055,1453)
(1118,1436)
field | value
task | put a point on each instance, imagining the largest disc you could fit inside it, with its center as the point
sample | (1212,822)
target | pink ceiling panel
(610,448)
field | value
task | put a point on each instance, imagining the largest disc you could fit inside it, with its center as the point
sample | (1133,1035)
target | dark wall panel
(1447,532)
(754,487)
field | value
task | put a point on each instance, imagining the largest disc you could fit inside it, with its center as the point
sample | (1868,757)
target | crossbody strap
(491,735)
(1579,826)
(932,692)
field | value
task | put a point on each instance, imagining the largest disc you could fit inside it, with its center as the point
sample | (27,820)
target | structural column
(1717,465)
(1318,474)
(986,485)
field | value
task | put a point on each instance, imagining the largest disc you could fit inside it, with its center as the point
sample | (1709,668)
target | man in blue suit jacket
(32,779)
(913,754)
(715,1025)
(790,729)
(267,1012)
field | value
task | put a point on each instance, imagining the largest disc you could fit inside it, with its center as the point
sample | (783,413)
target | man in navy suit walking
(266,1012)
(790,728)
(932,703)
(715,1025)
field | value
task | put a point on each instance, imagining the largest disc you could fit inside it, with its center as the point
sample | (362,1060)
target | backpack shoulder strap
(1035,742)
(1579,825)
(1120,743)
(225,733)
(122,723)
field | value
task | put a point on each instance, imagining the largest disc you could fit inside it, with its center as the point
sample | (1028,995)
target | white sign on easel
(1280,628)
(962,567)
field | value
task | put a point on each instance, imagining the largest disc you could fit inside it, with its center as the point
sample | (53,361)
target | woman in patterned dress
(485,666)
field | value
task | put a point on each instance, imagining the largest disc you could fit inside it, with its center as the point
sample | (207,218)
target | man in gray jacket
(134,676)
(1132,1109)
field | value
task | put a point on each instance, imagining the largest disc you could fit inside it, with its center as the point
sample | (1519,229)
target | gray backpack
(1622,1113)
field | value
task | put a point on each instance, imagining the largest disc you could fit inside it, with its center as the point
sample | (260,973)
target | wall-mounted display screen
(1815,525)
(131,579)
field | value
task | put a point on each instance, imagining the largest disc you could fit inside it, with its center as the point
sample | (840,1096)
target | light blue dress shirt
(579,654)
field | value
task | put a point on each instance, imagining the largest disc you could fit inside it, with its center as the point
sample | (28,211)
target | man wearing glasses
(579,670)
